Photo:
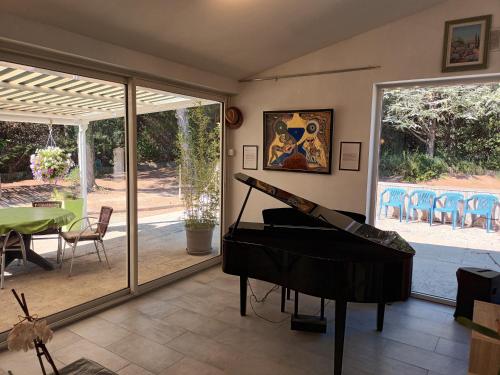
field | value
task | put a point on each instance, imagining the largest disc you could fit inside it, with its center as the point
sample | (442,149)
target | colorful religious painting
(298,141)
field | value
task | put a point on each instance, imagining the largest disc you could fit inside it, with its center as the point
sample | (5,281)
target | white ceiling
(234,38)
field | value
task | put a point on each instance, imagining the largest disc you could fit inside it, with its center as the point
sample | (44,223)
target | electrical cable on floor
(262,300)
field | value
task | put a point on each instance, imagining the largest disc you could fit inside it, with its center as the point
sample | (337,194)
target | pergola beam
(56,91)
(38,118)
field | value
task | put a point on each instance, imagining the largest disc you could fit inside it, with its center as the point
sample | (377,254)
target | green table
(31,220)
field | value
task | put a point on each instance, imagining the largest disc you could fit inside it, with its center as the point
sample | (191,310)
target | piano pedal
(308,323)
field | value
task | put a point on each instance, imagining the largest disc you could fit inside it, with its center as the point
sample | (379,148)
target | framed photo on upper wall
(466,44)
(298,140)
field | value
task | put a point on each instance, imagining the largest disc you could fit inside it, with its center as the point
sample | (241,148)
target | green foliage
(20,140)
(411,167)
(458,124)
(157,137)
(421,167)
(73,176)
(103,137)
(198,158)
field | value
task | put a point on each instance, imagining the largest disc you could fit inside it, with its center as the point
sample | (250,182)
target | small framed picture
(349,156)
(250,156)
(466,43)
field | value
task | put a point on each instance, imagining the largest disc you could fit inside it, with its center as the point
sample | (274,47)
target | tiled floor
(194,327)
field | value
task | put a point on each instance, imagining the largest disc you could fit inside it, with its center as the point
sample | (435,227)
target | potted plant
(198,160)
(50,164)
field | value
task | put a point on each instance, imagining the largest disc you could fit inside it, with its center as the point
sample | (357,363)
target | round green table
(32,220)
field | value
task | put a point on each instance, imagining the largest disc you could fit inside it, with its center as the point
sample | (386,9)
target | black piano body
(320,252)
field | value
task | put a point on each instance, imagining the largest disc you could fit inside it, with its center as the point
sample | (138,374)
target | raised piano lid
(332,217)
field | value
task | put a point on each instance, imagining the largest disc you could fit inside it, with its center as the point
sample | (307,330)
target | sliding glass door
(178,181)
(94,155)
(62,149)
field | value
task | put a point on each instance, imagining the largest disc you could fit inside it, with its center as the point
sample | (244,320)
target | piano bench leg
(243,295)
(380,316)
(283,292)
(288,294)
(340,317)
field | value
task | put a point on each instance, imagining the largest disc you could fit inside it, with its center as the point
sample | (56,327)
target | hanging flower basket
(50,164)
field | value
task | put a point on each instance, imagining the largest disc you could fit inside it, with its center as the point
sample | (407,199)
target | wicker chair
(91,232)
(12,241)
(49,231)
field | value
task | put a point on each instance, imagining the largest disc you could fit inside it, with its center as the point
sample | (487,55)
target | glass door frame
(134,271)
(374,145)
(59,62)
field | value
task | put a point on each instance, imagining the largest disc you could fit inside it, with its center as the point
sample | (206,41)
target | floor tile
(453,349)
(25,363)
(196,323)
(145,353)
(152,329)
(99,331)
(134,370)
(87,349)
(190,366)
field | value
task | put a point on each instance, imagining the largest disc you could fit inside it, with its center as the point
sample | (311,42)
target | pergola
(45,97)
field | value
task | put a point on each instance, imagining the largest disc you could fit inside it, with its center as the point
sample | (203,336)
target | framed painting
(298,140)
(466,44)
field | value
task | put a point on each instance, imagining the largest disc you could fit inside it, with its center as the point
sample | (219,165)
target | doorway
(438,178)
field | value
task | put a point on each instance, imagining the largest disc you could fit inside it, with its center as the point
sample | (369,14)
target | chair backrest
(56,204)
(423,196)
(104,218)
(451,199)
(396,194)
(484,201)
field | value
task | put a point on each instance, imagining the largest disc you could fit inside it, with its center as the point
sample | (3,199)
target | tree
(430,113)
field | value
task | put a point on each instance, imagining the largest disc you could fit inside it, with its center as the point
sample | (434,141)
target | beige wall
(406,49)
(17,29)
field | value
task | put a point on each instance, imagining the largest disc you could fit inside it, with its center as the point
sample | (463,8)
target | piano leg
(322,314)
(288,294)
(243,295)
(380,316)
(283,292)
(340,316)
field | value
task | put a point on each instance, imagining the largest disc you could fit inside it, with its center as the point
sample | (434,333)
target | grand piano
(320,252)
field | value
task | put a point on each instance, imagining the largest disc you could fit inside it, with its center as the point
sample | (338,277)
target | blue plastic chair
(424,202)
(396,199)
(450,205)
(482,205)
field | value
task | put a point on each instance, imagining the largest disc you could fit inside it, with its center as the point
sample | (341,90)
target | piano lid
(332,217)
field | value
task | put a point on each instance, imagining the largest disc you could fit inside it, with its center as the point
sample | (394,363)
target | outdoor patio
(440,251)
(161,252)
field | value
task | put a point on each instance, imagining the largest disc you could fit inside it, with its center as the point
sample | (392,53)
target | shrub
(390,164)
(420,167)
(412,167)
(467,167)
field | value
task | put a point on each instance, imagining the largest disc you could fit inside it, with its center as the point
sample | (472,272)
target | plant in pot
(198,159)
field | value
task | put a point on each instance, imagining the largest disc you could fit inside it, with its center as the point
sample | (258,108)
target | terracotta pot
(199,240)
